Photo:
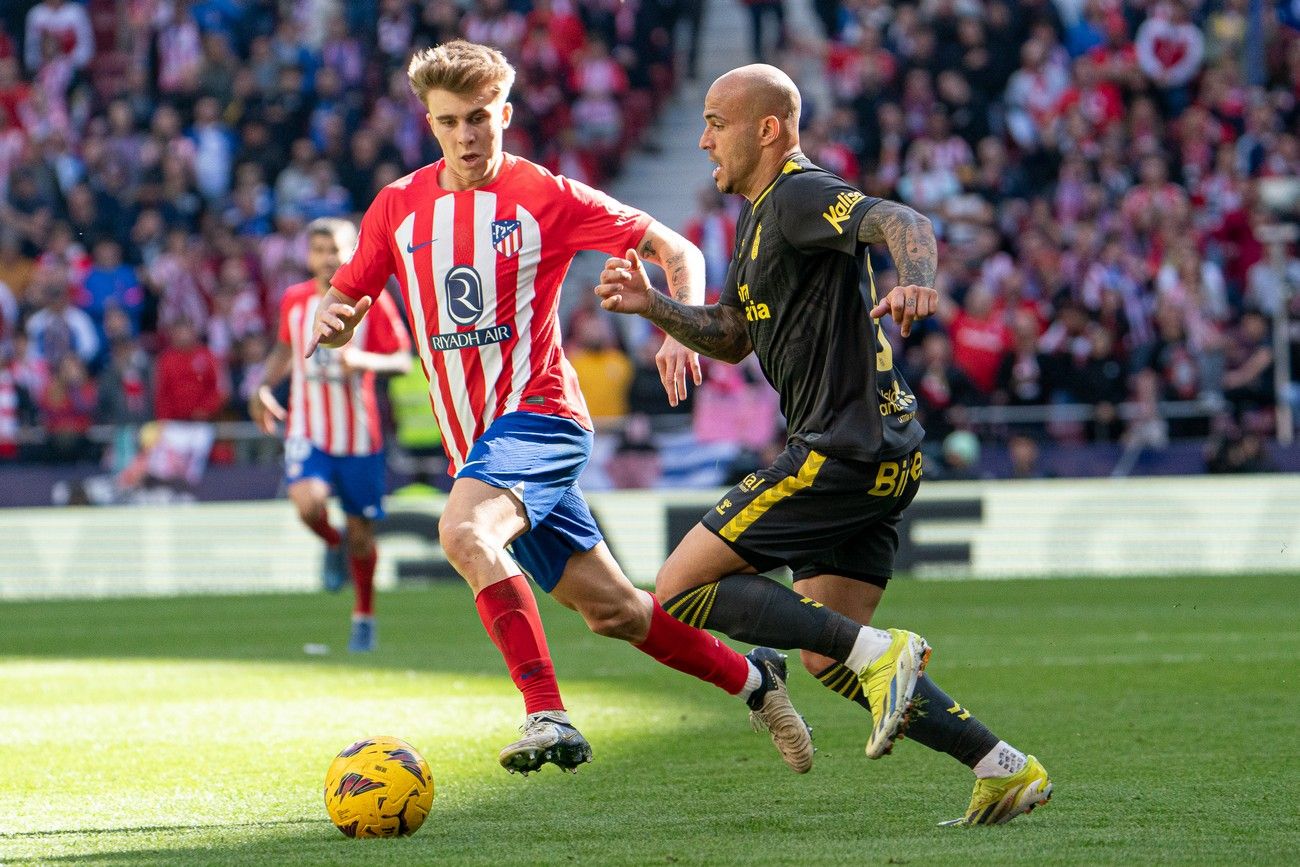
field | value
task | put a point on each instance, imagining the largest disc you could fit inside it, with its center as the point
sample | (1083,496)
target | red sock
(693,651)
(363,582)
(510,616)
(321,526)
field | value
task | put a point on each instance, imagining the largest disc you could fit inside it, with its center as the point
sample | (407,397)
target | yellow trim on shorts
(773,495)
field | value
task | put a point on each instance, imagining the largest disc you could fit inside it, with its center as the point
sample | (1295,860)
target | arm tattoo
(716,330)
(674,255)
(910,239)
(675,267)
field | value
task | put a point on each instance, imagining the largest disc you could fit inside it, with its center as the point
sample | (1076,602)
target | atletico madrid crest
(507,237)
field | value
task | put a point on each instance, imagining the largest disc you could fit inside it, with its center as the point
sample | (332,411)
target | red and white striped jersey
(481,272)
(8,415)
(335,410)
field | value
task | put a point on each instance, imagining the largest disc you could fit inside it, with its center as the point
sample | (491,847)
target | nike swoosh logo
(412,249)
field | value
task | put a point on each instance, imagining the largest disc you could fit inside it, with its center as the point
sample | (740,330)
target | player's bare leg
(362,555)
(477,523)
(594,585)
(709,585)
(937,721)
(310,497)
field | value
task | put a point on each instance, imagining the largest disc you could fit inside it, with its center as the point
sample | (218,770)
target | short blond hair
(461,67)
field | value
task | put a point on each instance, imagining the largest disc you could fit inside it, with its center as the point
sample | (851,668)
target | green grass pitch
(189,731)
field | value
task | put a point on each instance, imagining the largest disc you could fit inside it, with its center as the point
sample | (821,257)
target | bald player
(829,506)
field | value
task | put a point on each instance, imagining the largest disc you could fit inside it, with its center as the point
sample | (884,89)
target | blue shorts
(357,480)
(539,458)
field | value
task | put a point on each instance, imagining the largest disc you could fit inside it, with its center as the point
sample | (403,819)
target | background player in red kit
(480,242)
(333,441)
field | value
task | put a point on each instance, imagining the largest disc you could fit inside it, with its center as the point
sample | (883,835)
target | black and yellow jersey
(797,276)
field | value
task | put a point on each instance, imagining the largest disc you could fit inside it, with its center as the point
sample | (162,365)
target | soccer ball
(378,787)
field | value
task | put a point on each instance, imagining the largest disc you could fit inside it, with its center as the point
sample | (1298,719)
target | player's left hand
(335,323)
(624,286)
(907,304)
(265,410)
(675,362)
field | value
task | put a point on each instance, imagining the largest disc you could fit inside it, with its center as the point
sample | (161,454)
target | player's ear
(507,112)
(768,129)
(428,118)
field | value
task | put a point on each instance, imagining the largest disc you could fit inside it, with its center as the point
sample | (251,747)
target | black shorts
(819,515)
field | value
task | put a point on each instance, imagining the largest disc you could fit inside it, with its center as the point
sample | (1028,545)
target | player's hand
(265,409)
(336,322)
(675,362)
(625,286)
(907,304)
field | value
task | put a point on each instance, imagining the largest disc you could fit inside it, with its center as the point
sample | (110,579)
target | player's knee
(310,512)
(667,584)
(815,663)
(462,541)
(361,541)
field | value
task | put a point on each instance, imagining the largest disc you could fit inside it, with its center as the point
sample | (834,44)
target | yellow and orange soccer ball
(378,787)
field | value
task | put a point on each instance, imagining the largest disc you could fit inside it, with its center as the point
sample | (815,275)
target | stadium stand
(1105,177)
(159,161)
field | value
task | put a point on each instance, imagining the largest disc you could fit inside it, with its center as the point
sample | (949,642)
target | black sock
(938,722)
(944,725)
(841,679)
(761,611)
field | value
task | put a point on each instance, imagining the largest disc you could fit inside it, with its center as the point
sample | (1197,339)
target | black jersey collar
(797,162)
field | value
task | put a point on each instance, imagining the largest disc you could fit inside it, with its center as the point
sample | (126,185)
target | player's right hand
(907,304)
(265,410)
(335,323)
(624,285)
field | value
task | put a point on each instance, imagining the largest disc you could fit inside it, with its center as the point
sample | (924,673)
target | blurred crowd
(1102,176)
(159,160)
(1099,174)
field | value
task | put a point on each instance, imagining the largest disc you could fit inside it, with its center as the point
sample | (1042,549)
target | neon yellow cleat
(998,800)
(889,683)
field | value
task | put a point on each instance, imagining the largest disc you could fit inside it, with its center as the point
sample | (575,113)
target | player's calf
(758,678)
(625,617)
(761,611)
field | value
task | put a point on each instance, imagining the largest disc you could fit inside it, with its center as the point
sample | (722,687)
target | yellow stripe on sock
(837,679)
(693,609)
(692,615)
(846,683)
(682,606)
(709,599)
(773,495)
